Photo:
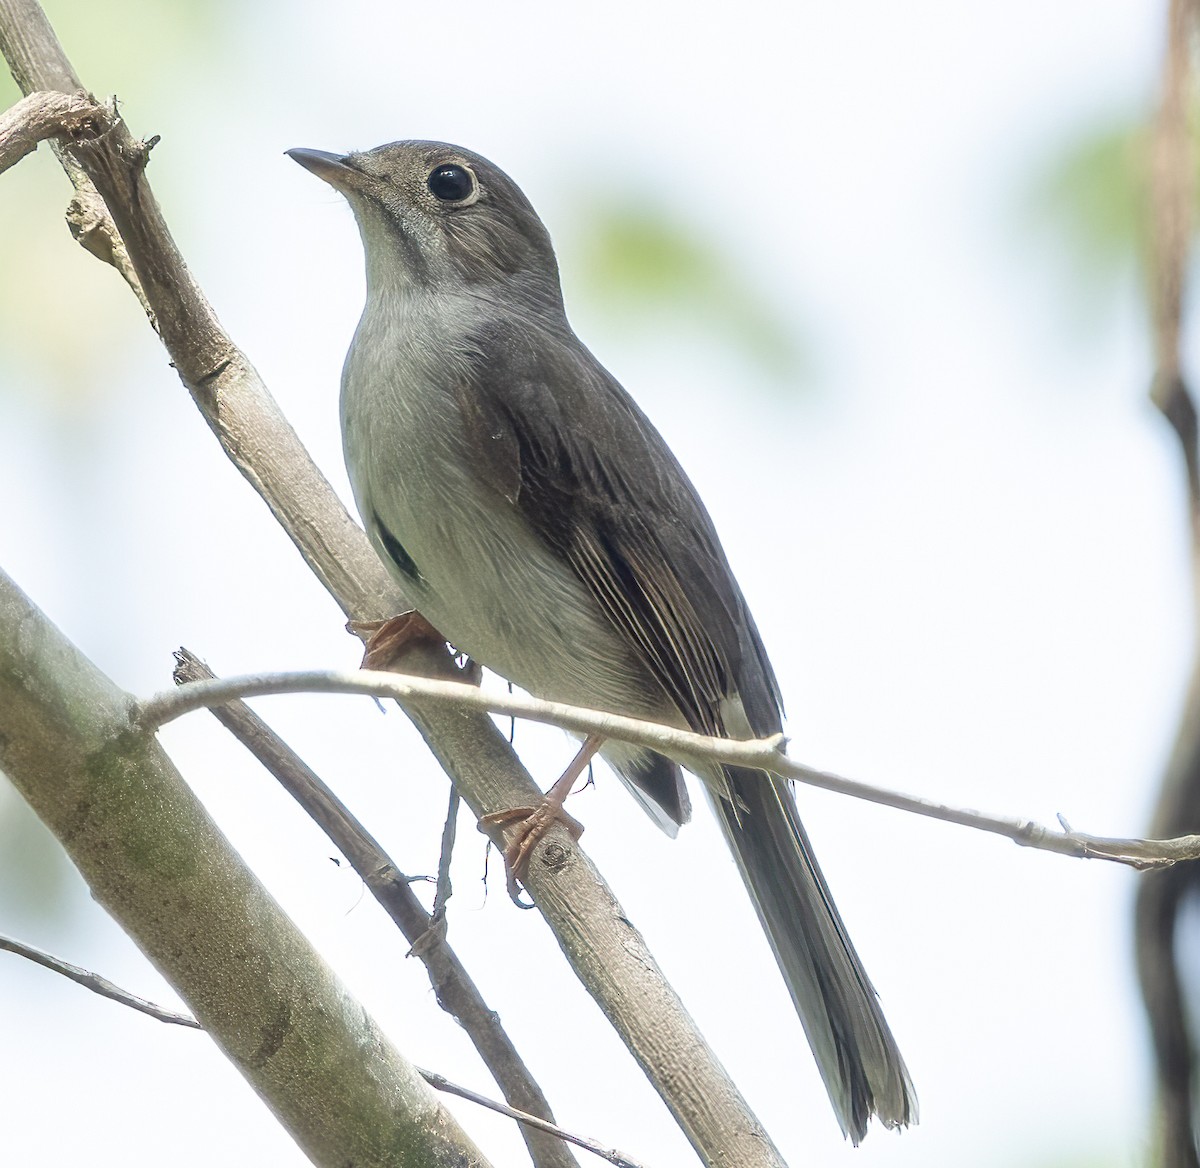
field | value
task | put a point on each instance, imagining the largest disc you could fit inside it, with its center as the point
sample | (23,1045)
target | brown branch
(60,117)
(230,394)
(47,115)
(453,987)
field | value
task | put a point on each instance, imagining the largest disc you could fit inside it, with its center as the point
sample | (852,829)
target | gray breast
(463,552)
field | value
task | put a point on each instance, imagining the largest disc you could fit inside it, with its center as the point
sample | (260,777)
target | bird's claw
(532,823)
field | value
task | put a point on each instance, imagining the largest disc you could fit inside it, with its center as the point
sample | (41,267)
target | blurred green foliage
(58,332)
(135,45)
(1093,200)
(1090,207)
(63,315)
(642,267)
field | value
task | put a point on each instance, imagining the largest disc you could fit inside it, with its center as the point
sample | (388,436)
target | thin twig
(445,890)
(761,754)
(441,1083)
(96,983)
(106,989)
(154,712)
(453,987)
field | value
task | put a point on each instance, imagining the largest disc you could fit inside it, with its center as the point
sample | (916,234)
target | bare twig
(96,983)
(761,754)
(105,988)
(152,713)
(453,987)
(445,890)
(441,1083)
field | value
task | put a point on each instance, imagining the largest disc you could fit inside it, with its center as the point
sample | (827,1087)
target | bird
(542,526)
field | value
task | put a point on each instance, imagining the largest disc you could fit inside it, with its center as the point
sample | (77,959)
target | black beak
(333,168)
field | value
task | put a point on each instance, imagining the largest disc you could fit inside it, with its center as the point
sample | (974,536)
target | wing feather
(636,534)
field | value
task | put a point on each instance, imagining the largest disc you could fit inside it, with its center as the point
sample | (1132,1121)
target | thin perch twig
(761,754)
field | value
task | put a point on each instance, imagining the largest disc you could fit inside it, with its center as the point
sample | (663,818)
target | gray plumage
(540,522)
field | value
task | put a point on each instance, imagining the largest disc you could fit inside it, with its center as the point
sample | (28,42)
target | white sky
(964,546)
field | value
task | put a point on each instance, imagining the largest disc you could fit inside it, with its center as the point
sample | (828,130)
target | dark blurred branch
(455,991)
(1162,894)
(604,949)
(1172,170)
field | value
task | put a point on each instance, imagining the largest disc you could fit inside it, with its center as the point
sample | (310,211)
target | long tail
(855,1051)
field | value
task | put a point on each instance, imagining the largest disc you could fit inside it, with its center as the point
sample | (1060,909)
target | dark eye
(451,183)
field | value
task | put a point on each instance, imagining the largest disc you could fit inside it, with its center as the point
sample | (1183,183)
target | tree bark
(153,858)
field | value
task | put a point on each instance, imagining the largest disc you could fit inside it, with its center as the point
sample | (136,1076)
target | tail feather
(854,1049)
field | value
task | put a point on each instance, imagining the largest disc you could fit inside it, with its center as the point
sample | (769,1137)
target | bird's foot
(389,642)
(532,823)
